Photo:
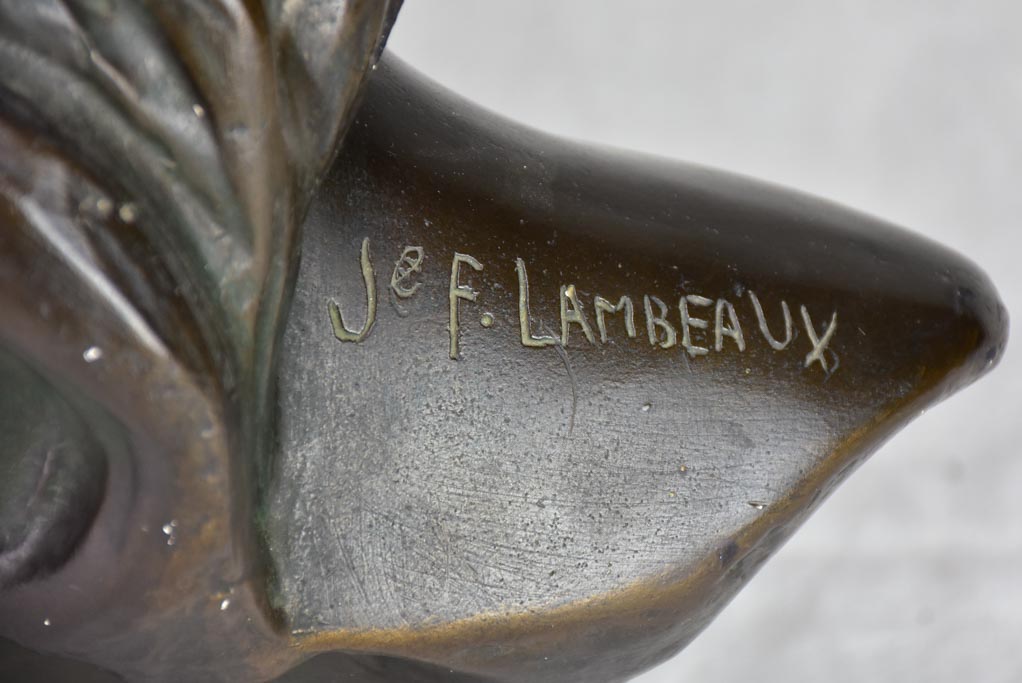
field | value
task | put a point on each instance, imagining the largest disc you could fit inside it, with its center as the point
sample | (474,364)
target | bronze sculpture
(579,397)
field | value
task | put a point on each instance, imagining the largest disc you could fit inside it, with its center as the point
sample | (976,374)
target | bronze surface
(527,410)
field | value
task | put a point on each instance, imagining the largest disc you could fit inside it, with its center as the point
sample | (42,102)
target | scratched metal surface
(413,488)
(909,110)
(512,478)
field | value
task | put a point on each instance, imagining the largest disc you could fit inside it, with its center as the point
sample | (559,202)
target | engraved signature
(697,323)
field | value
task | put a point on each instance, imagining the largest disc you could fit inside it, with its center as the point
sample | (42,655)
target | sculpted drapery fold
(156,162)
(205,125)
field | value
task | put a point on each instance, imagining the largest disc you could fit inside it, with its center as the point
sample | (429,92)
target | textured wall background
(911,110)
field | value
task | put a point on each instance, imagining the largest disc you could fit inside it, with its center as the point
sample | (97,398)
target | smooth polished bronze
(526,411)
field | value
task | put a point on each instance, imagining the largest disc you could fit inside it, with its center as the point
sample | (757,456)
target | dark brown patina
(526,410)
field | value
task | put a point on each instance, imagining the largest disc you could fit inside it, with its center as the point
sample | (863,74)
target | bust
(432,390)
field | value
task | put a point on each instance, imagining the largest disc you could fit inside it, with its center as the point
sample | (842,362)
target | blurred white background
(907,109)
